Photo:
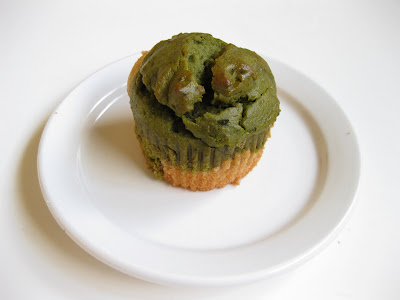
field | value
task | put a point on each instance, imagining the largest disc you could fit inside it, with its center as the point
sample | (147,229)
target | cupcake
(203,110)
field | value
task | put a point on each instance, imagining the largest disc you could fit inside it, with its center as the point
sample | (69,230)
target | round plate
(96,184)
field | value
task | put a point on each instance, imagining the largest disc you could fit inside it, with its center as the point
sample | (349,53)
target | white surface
(286,210)
(349,47)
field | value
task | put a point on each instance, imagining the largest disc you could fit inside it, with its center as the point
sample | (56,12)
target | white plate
(95,182)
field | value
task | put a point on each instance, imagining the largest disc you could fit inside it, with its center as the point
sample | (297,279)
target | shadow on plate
(119,139)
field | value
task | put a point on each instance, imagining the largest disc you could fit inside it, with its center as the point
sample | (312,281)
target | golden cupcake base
(231,171)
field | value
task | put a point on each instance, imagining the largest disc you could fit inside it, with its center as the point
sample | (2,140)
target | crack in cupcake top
(220,92)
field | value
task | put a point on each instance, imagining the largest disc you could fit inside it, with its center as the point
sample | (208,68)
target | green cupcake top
(218,92)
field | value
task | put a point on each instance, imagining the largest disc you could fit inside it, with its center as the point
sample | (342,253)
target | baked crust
(135,68)
(231,171)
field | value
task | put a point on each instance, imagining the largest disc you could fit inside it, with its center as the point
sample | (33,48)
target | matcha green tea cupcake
(203,110)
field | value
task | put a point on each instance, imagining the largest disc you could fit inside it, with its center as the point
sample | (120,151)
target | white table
(350,48)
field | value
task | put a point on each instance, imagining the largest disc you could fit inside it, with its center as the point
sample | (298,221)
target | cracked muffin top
(206,89)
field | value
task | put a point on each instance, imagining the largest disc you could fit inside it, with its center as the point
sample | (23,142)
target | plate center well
(280,189)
